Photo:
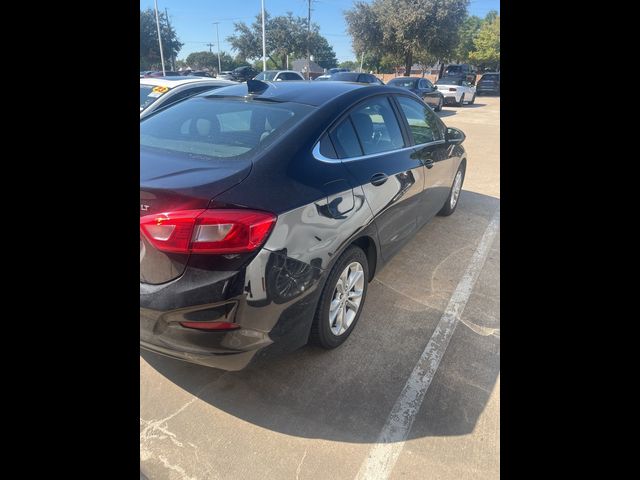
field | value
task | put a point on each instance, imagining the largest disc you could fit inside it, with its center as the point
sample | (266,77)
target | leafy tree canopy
(149,48)
(406,28)
(284,35)
(486,53)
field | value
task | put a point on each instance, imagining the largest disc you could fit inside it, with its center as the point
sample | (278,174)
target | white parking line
(384,454)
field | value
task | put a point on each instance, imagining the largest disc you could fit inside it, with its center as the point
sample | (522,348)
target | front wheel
(473,99)
(461,102)
(439,107)
(342,299)
(452,200)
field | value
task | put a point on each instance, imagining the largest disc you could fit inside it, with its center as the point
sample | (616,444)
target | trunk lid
(170,182)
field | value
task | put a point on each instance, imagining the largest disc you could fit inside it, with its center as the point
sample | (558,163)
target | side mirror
(455,136)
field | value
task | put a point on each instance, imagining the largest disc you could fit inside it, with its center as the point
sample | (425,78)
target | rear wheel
(452,200)
(461,102)
(473,99)
(342,299)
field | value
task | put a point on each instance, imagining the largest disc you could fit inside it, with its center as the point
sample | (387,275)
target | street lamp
(218,41)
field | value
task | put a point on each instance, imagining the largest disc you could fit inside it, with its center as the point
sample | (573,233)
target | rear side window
(326,147)
(345,140)
(422,121)
(377,126)
(215,128)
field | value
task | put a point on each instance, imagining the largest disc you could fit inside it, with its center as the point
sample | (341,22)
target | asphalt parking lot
(317,414)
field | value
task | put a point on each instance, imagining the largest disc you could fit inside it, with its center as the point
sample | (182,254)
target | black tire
(321,334)
(446,209)
(440,104)
(473,99)
(461,102)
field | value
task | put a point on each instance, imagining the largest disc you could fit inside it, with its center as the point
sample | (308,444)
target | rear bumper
(231,361)
(251,296)
(487,91)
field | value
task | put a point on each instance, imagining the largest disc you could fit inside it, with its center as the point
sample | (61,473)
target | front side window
(377,126)
(423,123)
(212,128)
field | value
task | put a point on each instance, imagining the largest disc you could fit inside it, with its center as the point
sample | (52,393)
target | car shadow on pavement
(474,105)
(445,113)
(346,394)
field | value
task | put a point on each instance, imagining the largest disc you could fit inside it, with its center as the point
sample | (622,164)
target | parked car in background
(157,93)
(421,87)
(355,77)
(278,75)
(464,70)
(489,84)
(242,74)
(326,76)
(167,73)
(331,71)
(225,75)
(262,222)
(201,73)
(145,72)
(456,90)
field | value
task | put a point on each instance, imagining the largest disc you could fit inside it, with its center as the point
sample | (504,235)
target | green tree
(202,60)
(149,48)
(350,64)
(467,34)
(284,35)
(406,28)
(486,53)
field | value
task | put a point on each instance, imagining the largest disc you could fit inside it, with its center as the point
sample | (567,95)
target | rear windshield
(402,82)
(265,76)
(213,128)
(454,69)
(450,81)
(149,94)
(345,76)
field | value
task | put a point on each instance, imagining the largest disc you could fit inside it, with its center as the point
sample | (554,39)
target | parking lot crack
(299,469)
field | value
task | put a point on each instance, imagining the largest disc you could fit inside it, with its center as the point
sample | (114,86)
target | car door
(375,151)
(427,134)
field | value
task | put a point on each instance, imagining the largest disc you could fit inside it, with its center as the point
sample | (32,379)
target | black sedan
(421,87)
(489,84)
(267,208)
(242,74)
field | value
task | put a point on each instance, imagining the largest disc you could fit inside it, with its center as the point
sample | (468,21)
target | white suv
(278,75)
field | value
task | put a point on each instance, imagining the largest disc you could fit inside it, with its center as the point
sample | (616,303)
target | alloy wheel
(346,298)
(457,186)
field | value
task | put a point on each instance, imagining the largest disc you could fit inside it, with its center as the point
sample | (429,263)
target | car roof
(180,80)
(406,78)
(307,92)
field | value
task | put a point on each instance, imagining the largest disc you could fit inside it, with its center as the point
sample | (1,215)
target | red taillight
(210,325)
(207,231)
(453,89)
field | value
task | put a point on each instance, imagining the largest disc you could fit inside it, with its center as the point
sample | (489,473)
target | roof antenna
(256,86)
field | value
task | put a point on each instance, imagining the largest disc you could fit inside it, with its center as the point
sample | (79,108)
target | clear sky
(193,19)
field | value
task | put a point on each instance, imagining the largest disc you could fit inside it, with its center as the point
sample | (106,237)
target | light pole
(264,44)
(218,40)
(159,37)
